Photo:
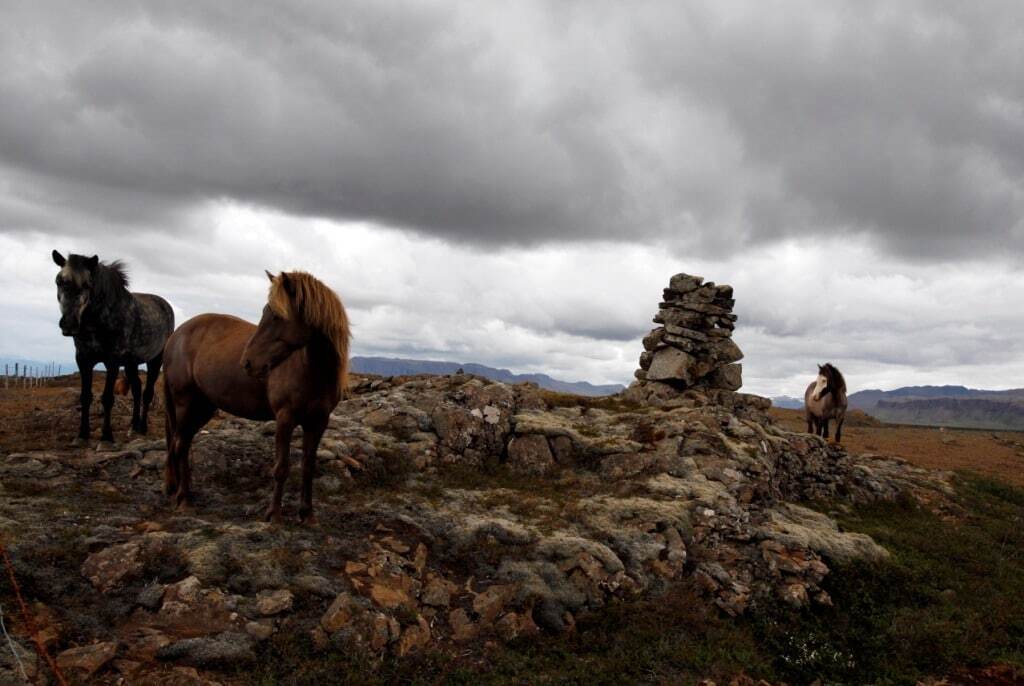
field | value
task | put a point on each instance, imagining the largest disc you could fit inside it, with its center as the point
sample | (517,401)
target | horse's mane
(110,279)
(317,306)
(834,376)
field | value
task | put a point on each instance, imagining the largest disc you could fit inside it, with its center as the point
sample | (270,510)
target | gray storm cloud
(514,184)
(708,126)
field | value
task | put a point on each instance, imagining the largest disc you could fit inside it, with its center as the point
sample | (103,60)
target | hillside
(953,406)
(389,366)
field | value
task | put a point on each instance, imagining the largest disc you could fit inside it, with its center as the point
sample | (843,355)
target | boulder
(530,454)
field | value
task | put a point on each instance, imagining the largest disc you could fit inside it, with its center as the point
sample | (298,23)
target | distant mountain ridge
(387,366)
(788,402)
(954,406)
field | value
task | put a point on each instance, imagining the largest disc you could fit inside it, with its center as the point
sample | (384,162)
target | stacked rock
(693,346)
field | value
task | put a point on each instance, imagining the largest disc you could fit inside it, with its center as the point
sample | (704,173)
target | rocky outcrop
(692,348)
(451,509)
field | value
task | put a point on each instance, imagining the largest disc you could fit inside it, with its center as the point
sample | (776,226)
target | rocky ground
(452,512)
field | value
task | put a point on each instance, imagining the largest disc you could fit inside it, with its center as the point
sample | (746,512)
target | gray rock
(151,596)
(530,454)
(228,649)
(685,283)
(672,364)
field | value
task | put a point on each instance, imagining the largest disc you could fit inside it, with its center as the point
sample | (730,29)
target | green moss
(950,597)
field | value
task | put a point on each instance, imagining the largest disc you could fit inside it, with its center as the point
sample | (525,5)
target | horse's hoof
(80,442)
(273,516)
(307,519)
(106,447)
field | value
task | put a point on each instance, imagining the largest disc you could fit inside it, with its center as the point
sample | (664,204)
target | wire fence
(29,376)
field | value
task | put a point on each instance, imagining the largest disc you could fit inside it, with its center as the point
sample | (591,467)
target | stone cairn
(693,347)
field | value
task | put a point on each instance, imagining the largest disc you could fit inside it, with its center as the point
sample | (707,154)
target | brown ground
(992,453)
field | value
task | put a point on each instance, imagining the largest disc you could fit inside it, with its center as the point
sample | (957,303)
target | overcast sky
(514,183)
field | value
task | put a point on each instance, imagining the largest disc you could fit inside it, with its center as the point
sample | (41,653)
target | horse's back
(153,325)
(203,356)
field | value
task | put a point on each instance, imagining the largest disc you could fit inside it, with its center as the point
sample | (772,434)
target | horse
(115,327)
(825,399)
(292,367)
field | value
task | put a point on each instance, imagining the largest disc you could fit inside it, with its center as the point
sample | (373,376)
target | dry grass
(997,454)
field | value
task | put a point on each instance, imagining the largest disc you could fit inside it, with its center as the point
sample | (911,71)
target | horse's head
(75,283)
(280,332)
(820,384)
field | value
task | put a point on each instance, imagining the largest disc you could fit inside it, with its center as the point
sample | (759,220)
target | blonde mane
(317,306)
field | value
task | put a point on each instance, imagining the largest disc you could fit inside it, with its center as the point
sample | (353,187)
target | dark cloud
(703,126)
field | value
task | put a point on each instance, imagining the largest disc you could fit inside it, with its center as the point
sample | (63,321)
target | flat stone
(85,661)
(270,603)
(685,283)
(436,593)
(489,603)
(340,613)
(107,568)
(227,649)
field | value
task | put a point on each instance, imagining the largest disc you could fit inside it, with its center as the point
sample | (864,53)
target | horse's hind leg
(282,446)
(839,428)
(311,435)
(131,374)
(191,414)
(152,372)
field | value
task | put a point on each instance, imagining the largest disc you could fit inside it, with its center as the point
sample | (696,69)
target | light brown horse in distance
(292,367)
(824,400)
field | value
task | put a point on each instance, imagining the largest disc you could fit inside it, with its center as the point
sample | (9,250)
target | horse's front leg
(824,428)
(85,399)
(312,432)
(131,374)
(282,445)
(107,434)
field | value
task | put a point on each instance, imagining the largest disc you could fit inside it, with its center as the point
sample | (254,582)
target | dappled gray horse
(115,327)
(824,400)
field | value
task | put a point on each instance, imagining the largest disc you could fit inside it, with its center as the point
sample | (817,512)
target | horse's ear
(58,259)
(269,275)
(92,263)
(286,281)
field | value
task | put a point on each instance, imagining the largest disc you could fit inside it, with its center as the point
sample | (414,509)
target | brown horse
(824,400)
(293,368)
